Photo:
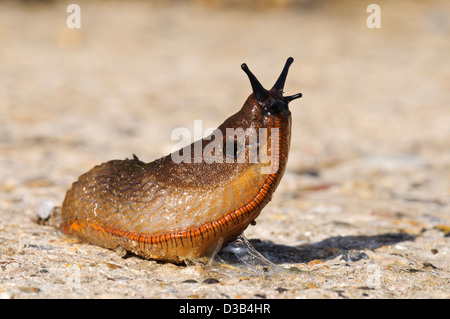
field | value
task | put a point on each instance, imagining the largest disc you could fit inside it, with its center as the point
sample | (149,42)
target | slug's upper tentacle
(258,90)
(279,85)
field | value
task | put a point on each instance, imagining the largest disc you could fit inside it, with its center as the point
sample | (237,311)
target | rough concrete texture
(363,210)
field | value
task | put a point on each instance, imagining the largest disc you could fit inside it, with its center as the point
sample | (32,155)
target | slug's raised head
(272,101)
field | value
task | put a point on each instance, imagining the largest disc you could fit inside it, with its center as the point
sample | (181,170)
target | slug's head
(272,102)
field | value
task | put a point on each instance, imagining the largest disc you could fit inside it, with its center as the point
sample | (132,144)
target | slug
(179,210)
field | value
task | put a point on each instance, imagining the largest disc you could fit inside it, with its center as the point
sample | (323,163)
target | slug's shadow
(327,249)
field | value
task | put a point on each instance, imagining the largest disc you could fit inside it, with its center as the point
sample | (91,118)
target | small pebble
(314,262)
(281,290)
(44,209)
(429,265)
(352,255)
(210,281)
(122,252)
(412,270)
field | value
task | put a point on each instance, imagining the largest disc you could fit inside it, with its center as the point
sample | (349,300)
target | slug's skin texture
(173,211)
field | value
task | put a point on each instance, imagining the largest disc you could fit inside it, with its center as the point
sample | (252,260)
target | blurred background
(71,98)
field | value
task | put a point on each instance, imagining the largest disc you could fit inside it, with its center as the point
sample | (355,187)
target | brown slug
(174,210)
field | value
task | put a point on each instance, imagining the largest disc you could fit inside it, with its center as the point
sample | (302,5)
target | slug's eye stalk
(279,85)
(259,91)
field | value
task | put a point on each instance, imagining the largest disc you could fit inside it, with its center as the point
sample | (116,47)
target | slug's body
(176,211)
